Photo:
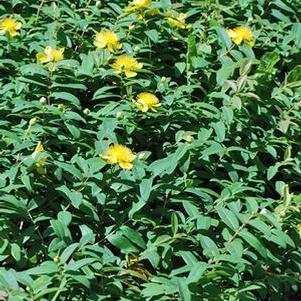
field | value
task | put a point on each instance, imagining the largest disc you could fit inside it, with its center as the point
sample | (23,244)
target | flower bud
(57,259)
(86,111)
(33,121)
(43,100)
(282,213)
(61,107)
(136,49)
(141,155)
(119,114)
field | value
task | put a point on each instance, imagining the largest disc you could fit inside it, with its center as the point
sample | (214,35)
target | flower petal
(126,165)
(43,58)
(129,73)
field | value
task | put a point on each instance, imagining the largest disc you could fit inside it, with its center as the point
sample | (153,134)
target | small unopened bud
(98,3)
(141,156)
(132,26)
(61,107)
(57,259)
(54,6)
(119,114)
(282,213)
(33,121)
(136,49)
(86,13)
(43,100)
(86,111)
(163,79)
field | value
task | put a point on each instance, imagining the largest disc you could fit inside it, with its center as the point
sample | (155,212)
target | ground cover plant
(150,150)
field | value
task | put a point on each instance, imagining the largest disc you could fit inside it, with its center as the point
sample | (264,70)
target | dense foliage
(150,150)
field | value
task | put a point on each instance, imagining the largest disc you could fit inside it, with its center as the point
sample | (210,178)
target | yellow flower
(177,20)
(50,55)
(138,5)
(150,13)
(147,101)
(153,12)
(299,228)
(241,34)
(40,164)
(9,25)
(107,39)
(119,154)
(127,64)
(39,148)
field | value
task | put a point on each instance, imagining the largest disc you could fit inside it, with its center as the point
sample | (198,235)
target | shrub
(150,150)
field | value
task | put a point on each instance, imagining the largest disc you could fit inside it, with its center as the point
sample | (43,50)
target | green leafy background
(211,208)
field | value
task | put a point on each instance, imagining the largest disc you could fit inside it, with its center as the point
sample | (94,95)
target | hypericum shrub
(150,150)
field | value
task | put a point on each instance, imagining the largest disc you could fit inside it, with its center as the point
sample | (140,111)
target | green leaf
(70,169)
(296,34)
(272,171)
(68,252)
(184,291)
(223,37)
(145,189)
(228,217)
(153,35)
(76,265)
(16,251)
(209,246)
(66,96)
(180,67)
(122,243)
(174,223)
(220,130)
(254,242)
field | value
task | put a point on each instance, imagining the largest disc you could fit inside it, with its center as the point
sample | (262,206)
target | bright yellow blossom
(241,34)
(153,12)
(39,148)
(149,13)
(177,20)
(119,154)
(147,101)
(9,25)
(40,164)
(137,5)
(50,55)
(107,39)
(126,64)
